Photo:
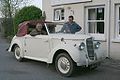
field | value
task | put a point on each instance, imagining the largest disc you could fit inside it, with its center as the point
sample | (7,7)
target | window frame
(97,36)
(117,22)
(60,14)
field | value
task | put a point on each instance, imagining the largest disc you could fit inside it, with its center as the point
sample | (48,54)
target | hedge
(25,14)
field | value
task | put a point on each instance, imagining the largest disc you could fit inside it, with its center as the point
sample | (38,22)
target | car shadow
(79,71)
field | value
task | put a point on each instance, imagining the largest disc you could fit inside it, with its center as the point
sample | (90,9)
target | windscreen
(54,28)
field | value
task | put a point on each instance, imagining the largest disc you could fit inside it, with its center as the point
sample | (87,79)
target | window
(38,29)
(118,21)
(95,20)
(54,28)
(58,14)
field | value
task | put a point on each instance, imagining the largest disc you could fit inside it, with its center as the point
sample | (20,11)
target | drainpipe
(108,29)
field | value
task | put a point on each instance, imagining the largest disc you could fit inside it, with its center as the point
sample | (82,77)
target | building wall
(115,41)
(48,9)
(108,40)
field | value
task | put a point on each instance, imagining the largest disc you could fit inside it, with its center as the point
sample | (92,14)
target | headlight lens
(82,46)
(97,45)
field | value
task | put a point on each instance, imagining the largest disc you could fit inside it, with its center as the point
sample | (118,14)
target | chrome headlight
(97,45)
(82,46)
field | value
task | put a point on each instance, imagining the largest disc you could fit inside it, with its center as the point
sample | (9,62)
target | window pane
(119,28)
(119,13)
(62,14)
(100,27)
(92,27)
(96,27)
(100,14)
(92,14)
(57,15)
(96,14)
(119,21)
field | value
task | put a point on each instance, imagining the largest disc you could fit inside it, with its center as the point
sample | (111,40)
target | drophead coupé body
(66,51)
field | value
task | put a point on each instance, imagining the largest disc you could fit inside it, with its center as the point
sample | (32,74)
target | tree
(8,9)
(25,14)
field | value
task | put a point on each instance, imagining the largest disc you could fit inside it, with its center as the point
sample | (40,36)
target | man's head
(70,18)
(39,27)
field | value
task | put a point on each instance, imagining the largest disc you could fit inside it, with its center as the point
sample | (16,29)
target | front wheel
(64,64)
(17,53)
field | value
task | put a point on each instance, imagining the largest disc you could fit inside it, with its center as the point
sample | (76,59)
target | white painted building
(98,18)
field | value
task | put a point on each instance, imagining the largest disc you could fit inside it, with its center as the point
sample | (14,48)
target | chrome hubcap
(63,65)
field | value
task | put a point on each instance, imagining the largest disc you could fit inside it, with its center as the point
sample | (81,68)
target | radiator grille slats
(90,48)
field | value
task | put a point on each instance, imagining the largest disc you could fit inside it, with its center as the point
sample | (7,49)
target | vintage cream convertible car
(65,50)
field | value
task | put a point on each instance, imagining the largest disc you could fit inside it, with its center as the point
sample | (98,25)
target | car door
(37,47)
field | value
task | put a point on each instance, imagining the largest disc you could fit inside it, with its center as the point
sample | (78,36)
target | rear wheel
(17,53)
(64,64)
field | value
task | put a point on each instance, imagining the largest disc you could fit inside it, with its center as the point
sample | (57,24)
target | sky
(37,3)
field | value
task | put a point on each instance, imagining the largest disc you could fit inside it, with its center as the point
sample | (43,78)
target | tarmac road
(11,69)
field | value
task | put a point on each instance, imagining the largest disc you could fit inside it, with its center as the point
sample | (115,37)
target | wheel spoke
(63,64)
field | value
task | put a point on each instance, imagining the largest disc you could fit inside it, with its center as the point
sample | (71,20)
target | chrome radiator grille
(90,48)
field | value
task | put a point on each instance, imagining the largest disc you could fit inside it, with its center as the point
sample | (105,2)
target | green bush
(25,14)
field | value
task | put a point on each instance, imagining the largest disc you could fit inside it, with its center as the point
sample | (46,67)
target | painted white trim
(100,37)
(61,2)
(116,40)
(108,26)
(61,21)
(96,20)
(97,36)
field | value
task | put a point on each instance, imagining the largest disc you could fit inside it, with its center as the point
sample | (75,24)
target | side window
(54,28)
(51,27)
(38,29)
(44,30)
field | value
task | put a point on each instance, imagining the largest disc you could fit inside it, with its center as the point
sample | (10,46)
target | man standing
(71,26)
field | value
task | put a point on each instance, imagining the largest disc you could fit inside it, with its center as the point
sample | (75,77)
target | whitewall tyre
(17,53)
(64,65)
